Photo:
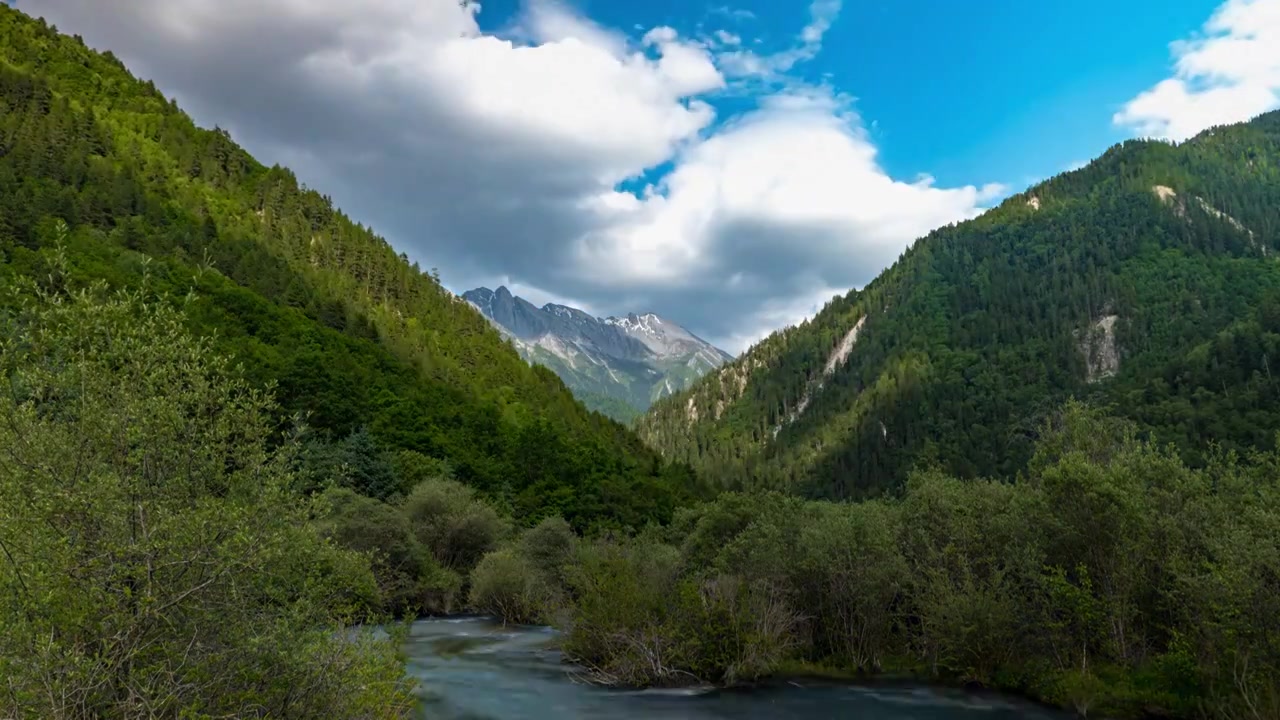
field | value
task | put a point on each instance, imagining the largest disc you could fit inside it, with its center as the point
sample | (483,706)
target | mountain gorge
(1148,281)
(618,366)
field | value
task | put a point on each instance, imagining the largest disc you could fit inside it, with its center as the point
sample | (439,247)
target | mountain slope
(1148,280)
(349,332)
(618,366)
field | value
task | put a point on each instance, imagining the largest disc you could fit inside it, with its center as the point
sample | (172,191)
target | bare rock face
(1098,345)
(1169,197)
(837,358)
(841,354)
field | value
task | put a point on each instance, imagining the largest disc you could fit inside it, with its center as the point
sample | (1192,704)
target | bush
(412,468)
(622,595)
(452,524)
(972,553)
(850,574)
(155,557)
(507,586)
(409,578)
(550,546)
(636,621)
(730,631)
(707,529)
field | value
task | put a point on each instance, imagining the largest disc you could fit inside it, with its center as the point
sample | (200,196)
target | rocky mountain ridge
(618,365)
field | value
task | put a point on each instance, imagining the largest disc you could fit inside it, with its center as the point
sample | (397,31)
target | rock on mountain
(617,365)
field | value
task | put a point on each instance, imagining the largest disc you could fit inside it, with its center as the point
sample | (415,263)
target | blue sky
(729,165)
(999,90)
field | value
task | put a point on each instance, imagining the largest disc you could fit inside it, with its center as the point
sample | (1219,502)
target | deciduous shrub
(154,556)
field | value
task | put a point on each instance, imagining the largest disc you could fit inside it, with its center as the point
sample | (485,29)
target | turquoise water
(475,669)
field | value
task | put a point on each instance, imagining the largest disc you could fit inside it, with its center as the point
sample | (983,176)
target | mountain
(1148,281)
(352,337)
(618,366)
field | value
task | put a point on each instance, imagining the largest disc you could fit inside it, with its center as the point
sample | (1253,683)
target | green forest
(245,444)
(1111,579)
(981,329)
(354,338)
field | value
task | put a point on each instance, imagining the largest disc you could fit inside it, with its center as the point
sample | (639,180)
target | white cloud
(821,14)
(503,157)
(738,14)
(777,313)
(548,21)
(769,66)
(1229,73)
(686,65)
(800,168)
(727,38)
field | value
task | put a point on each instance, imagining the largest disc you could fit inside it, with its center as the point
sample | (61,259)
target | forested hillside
(1148,281)
(365,348)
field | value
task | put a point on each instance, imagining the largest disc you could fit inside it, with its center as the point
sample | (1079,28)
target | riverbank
(485,634)
(477,632)
(802,671)
(475,668)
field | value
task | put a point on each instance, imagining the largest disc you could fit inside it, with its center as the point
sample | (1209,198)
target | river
(475,669)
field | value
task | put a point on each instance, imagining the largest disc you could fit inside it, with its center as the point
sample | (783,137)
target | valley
(256,462)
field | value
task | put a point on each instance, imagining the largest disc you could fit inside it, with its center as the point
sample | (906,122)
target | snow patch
(646,324)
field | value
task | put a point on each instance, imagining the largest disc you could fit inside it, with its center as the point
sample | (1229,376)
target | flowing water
(475,669)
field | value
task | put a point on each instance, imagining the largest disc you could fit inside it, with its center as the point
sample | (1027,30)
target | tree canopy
(1166,254)
(355,338)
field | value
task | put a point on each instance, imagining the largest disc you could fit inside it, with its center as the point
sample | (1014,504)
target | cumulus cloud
(1228,73)
(506,157)
(792,187)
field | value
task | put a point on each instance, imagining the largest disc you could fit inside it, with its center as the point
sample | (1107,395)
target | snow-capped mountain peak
(636,358)
(648,323)
(665,338)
